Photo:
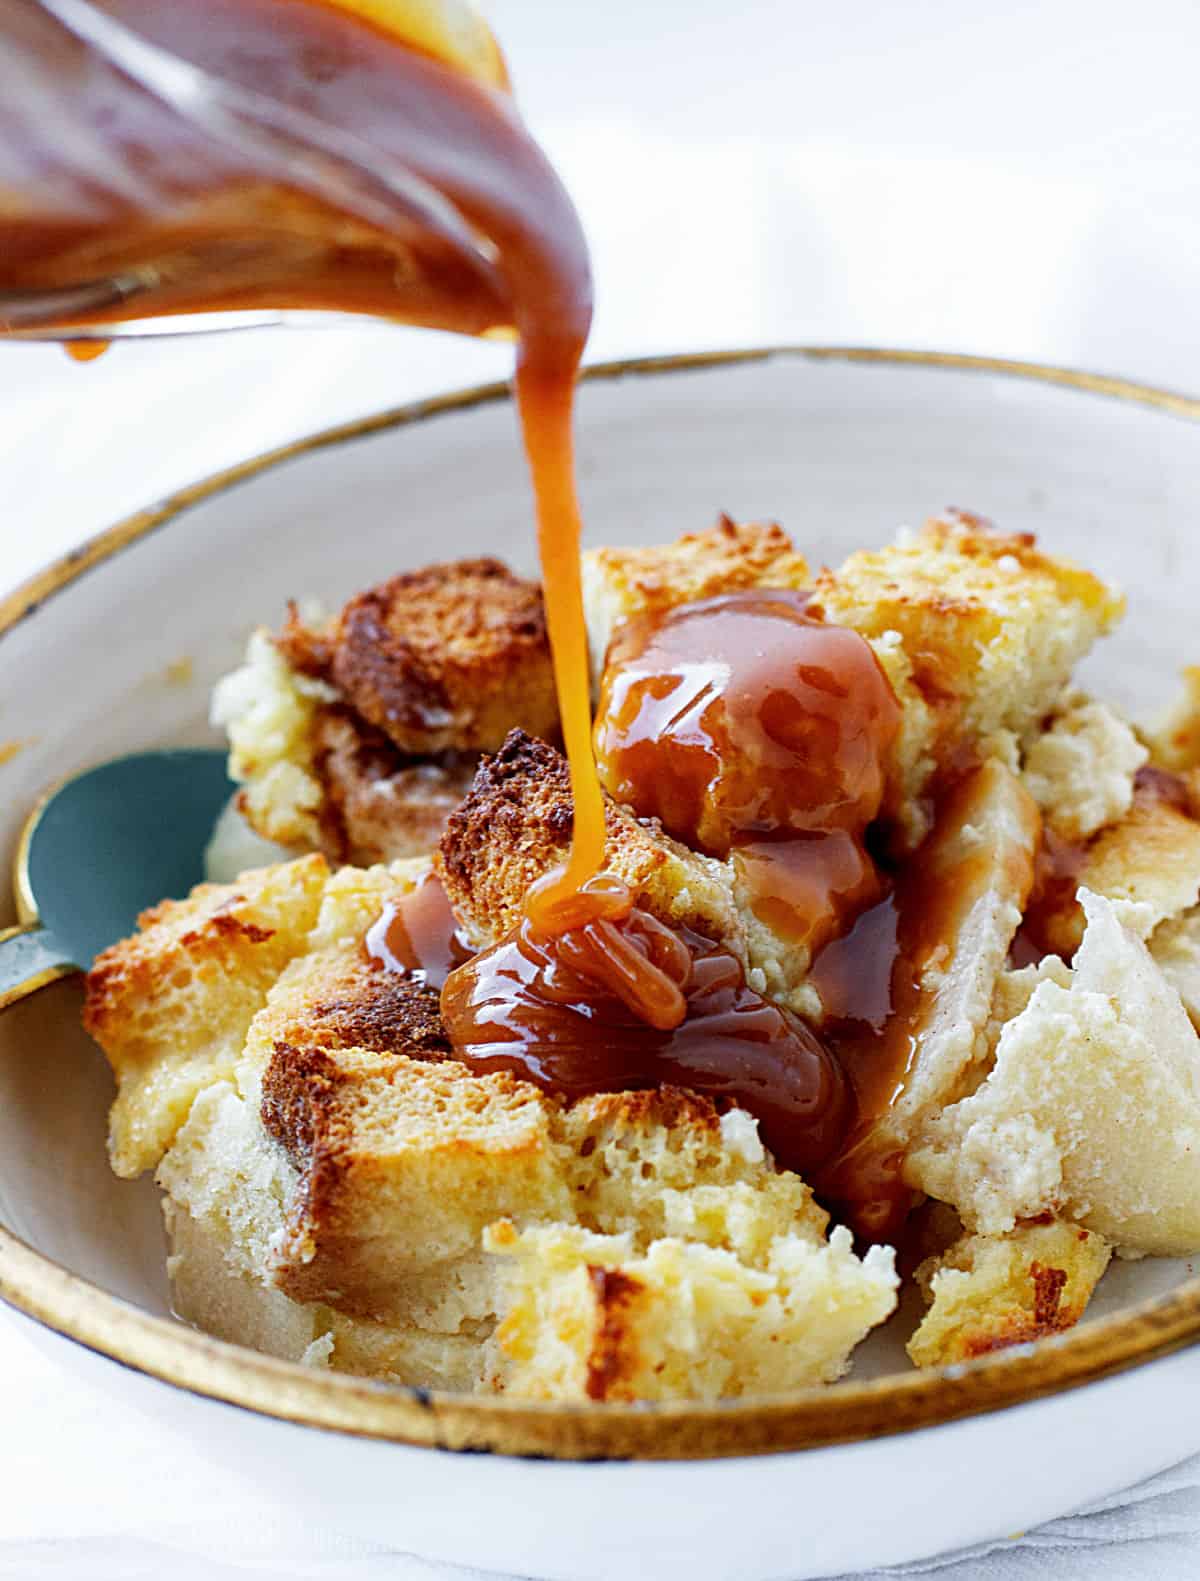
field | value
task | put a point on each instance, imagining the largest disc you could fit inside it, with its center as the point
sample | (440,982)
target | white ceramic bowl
(117,649)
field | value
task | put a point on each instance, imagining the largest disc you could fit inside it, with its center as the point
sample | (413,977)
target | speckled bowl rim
(806,1419)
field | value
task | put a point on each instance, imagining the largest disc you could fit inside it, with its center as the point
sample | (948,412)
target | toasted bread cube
(1091,1110)
(404,1157)
(313,774)
(171,1006)
(978,632)
(987,1293)
(355,736)
(515,825)
(992,626)
(726,558)
(448,658)
(590,1318)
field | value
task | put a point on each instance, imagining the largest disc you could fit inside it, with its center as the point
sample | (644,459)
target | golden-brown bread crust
(356,1002)
(447,658)
(515,824)
(357,735)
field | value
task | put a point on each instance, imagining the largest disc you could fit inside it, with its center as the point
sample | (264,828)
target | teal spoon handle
(29,959)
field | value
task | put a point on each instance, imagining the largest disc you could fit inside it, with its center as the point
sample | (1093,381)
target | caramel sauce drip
(752,729)
(546,419)
(627,1003)
(86,350)
(874,987)
(419,933)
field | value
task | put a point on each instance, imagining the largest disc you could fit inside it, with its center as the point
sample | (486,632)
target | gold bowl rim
(807,1419)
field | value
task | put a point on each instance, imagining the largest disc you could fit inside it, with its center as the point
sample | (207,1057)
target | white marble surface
(1017,180)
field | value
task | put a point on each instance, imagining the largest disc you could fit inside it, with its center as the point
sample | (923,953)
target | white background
(1017,179)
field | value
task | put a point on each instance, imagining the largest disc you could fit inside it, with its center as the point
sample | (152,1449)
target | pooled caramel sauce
(877,985)
(753,730)
(419,933)
(639,1005)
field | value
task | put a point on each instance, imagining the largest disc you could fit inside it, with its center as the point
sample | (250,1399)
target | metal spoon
(98,849)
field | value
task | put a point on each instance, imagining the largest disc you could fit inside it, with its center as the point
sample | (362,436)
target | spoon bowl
(98,849)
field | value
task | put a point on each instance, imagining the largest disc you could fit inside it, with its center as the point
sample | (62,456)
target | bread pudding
(941,1015)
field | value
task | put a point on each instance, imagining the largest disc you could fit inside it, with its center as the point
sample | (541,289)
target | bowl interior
(842,451)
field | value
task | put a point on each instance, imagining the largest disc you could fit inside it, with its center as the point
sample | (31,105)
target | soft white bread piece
(268,709)
(1091,1111)
(172,1005)
(1080,767)
(986,1293)
(590,1317)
